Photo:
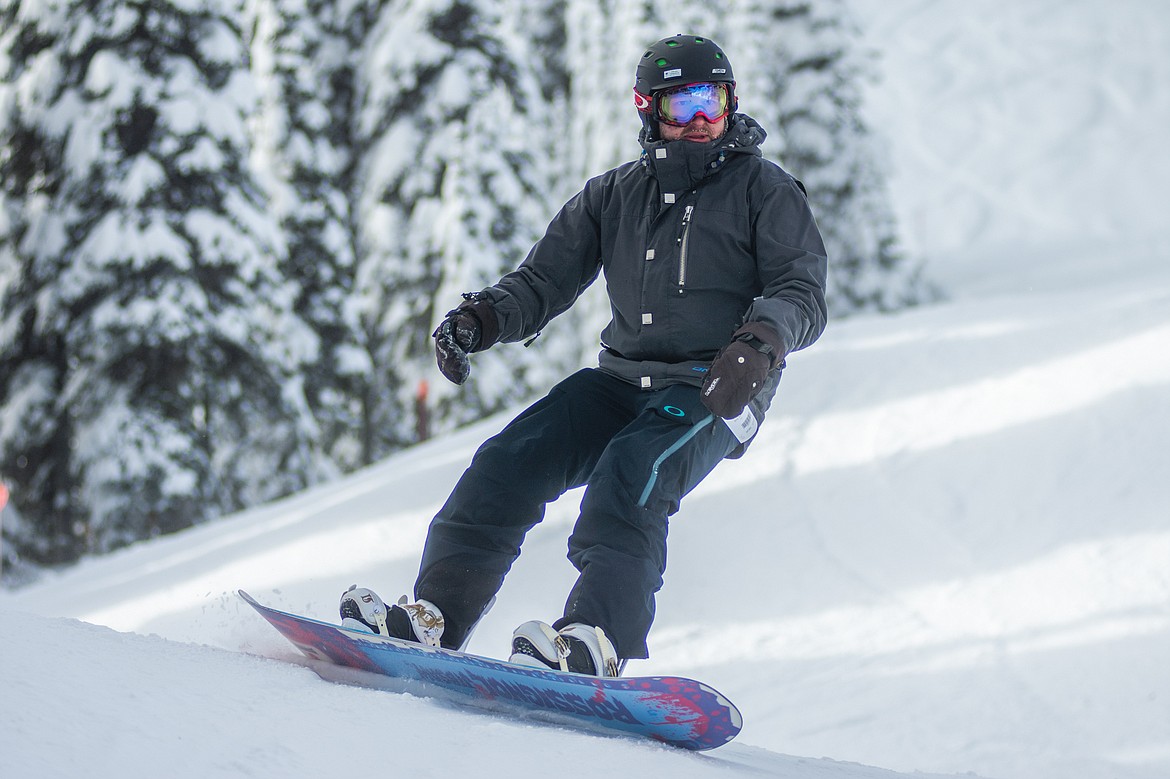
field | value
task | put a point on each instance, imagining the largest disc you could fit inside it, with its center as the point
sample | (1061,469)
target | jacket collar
(680,165)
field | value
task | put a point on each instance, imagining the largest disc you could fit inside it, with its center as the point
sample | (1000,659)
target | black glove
(739,370)
(471,327)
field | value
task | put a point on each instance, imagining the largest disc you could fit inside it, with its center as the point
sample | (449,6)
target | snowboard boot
(577,648)
(421,622)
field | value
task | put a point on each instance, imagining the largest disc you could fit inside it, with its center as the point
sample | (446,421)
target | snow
(948,551)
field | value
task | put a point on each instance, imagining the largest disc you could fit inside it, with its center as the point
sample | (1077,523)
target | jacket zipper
(682,253)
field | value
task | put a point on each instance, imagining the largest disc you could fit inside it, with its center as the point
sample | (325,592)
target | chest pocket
(715,255)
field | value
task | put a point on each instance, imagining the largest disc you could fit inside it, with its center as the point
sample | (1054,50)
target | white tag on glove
(744,426)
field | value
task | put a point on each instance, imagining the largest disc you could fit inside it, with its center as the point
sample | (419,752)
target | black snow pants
(638,452)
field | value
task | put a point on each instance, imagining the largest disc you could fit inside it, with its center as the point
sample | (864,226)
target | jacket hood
(679,165)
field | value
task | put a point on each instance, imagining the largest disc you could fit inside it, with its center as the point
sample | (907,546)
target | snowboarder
(715,272)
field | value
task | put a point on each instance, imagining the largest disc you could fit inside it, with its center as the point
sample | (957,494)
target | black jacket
(694,241)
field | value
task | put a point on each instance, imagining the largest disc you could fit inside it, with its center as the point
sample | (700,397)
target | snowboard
(669,709)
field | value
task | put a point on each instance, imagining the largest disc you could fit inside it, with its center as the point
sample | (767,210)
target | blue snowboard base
(676,711)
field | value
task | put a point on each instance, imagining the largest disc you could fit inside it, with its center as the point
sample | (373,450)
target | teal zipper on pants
(679,444)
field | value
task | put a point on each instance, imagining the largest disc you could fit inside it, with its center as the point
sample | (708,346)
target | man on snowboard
(715,272)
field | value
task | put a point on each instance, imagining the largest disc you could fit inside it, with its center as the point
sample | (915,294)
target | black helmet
(677,61)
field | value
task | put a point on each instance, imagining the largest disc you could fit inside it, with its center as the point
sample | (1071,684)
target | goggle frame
(653,104)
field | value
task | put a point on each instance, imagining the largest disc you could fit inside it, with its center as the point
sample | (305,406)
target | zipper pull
(687,214)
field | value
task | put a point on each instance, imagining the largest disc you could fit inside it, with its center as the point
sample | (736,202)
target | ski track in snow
(948,551)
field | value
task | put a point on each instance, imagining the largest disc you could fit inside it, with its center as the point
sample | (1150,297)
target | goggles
(679,106)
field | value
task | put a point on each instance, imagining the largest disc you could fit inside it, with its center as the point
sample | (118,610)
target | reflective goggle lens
(680,106)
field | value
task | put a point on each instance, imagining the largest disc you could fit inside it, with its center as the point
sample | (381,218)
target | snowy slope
(949,550)
(180,710)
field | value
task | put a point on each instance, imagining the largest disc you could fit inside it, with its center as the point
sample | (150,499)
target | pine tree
(151,379)
(606,39)
(454,145)
(800,73)
(538,30)
(33,359)
(302,56)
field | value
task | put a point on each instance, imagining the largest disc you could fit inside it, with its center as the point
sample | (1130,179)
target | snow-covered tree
(800,72)
(605,41)
(34,362)
(151,355)
(302,57)
(453,147)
